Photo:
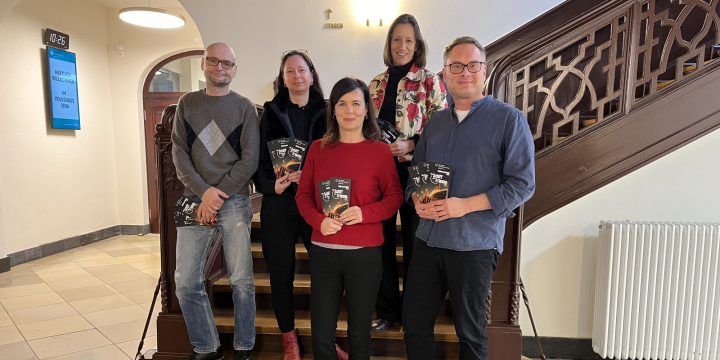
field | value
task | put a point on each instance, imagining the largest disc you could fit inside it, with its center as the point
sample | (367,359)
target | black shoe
(243,355)
(216,355)
(380,325)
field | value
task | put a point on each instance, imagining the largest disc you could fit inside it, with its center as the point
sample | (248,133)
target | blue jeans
(193,244)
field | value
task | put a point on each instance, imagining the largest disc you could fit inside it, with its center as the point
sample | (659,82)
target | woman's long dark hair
(306,57)
(370,128)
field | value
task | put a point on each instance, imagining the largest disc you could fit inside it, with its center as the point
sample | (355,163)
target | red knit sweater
(375,188)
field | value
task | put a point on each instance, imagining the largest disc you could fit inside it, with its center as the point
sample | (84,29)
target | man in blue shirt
(489,145)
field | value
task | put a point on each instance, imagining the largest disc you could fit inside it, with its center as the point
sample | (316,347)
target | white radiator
(657,294)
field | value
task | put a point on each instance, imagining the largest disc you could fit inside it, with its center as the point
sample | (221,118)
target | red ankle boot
(342,355)
(290,343)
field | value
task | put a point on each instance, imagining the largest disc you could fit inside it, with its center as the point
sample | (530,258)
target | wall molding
(5,264)
(59,246)
(559,348)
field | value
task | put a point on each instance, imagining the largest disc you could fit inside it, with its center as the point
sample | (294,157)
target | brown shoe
(290,343)
(342,355)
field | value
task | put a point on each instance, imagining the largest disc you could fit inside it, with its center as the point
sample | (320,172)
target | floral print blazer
(420,95)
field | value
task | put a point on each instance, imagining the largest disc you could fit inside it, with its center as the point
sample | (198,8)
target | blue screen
(63,89)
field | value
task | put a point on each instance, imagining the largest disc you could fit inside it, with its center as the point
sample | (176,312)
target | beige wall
(260,31)
(6,6)
(55,183)
(3,247)
(74,182)
(559,251)
(142,49)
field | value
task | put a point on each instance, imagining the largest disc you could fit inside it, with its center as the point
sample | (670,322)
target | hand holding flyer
(432,181)
(388,133)
(185,213)
(287,155)
(334,196)
(278,149)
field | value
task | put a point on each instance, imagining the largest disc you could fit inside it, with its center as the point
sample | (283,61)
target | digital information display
(62,78)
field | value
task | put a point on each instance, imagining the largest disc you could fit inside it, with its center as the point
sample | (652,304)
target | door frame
(151,73)
(148,139)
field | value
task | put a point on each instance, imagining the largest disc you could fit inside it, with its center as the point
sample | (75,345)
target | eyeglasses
(473,67)
(213,61)
(293,52)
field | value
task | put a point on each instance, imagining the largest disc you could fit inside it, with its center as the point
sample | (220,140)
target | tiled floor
(87,303)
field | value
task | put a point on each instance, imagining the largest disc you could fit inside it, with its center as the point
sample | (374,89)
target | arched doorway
(164,85)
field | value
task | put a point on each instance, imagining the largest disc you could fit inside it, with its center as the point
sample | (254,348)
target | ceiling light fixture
(151,17)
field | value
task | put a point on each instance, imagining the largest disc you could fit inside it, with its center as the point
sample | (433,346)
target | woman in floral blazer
(415,95)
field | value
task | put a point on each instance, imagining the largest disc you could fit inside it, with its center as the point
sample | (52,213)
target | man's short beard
(220,83)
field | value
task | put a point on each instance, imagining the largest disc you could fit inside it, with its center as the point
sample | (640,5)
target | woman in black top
(297,110)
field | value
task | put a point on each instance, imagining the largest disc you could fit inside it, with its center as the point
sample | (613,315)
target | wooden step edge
(665,83)
(262,284)
(265,355)
(302,254)
(255,223)
(589,122)
(266,324)
(301,284)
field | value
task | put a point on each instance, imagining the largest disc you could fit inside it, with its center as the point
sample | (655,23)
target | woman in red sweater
(347,255)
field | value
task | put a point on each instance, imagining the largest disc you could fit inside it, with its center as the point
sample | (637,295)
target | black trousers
(389,303)
(434,272)
(281,224)
(357,272)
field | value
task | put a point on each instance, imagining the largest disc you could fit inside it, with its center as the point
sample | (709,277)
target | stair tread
(301,285)
(255,223)
(301,252)
(661,84)
(262,284)
(280,356)
(265,323)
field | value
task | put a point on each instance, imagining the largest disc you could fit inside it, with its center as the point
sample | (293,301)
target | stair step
(301,285)
(691,66)
(280,356)
(262,284)
(661,84)
(265,323)
(302,254)
(255,224)
(589,122)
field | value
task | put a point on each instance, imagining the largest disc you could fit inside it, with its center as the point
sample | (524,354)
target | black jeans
(332,271)
(389,303)
(434,272)
(281,224)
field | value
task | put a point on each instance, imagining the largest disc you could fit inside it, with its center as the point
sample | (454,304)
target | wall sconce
(371,12)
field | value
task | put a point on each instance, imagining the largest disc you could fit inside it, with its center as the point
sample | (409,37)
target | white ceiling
(119,4)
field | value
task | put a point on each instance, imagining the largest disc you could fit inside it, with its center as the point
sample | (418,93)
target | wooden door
(153,105)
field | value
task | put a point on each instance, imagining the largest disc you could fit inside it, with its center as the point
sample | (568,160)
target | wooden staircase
(606,89)
(388,343)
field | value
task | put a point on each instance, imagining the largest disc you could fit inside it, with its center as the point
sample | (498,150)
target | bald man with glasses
(216,148)
(458,240)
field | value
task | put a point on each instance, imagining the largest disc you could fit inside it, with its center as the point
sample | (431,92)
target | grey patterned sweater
(215,143)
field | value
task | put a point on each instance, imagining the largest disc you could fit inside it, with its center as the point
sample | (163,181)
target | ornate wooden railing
(580,79)
(602,67)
